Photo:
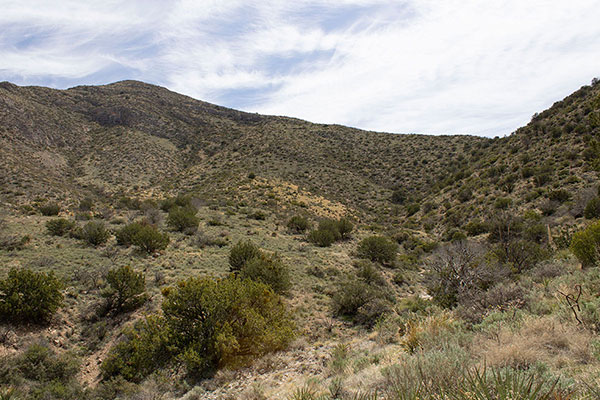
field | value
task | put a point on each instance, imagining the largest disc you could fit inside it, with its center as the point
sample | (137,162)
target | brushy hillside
(156,246)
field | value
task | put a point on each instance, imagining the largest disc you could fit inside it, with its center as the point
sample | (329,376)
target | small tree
(27,296)
(126,289)
(378,249)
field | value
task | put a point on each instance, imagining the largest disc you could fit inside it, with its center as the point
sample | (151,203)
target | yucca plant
(506,384)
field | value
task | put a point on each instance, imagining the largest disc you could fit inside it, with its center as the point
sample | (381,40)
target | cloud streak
(452,66)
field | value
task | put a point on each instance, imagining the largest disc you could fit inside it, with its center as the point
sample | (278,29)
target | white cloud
(452,66)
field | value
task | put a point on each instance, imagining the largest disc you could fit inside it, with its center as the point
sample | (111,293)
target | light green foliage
(126,289)
(322,238)
(27,296)
(378,249)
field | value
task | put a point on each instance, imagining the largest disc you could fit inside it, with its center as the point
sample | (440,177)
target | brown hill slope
(133,137)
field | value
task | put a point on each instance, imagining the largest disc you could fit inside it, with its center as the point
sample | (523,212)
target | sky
(414,66)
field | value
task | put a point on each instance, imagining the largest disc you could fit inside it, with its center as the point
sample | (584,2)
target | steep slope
(130,133)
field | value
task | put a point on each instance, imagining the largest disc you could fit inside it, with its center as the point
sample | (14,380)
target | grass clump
(31,297)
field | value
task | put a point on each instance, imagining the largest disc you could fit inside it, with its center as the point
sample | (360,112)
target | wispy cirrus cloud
(453,66)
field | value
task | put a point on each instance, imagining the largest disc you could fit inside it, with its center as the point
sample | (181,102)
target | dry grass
(545,340)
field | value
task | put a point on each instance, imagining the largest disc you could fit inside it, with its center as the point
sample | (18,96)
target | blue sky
(413,66)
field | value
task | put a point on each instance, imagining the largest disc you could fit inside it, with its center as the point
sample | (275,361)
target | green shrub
(145,236)
(412,209)
(592,209)
(183,219)
(344,227)
(27,296)
(502,203)
(242,253)
(476,227)
(11,243)
(95,233)
(207,324)
(322,238)
(59,226)
(560,195)
(270,270)
(126,290)
(378,249)
(364,298)
(86,204)
(585,243)
(331,225)
(150,240)
(180,201)
(298,224)
(50,209)
(126,234)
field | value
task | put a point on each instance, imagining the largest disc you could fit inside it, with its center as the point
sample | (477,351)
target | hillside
(187,250)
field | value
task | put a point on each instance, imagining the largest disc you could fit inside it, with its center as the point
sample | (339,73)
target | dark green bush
(331,225)
(126,234)
(150,240)
(378,249)
(322,238)
(412,209)
(59,226)
(270,270)
(344,227)
(476,227)
(502,203)
(27,296)
(242,253)
(298,224)
(126,290)
(183,219)
(145,236)
(86,204)
(207,324)
(95,233)
(180,201)
(560,195)
(50,209)
(364,298)
(592,209)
